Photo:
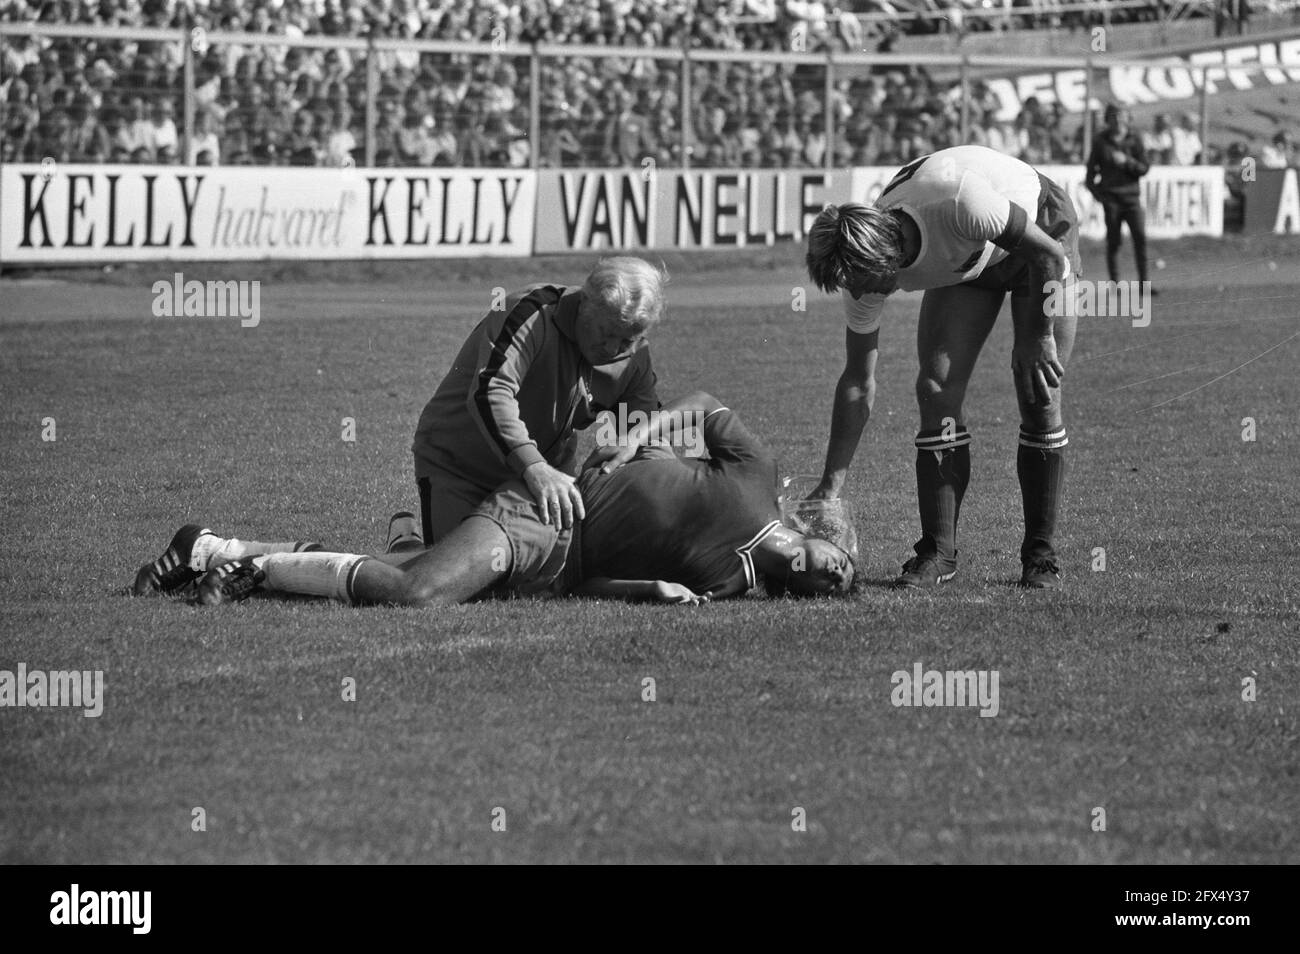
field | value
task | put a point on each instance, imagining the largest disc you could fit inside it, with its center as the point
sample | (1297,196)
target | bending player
(967,225)
(660,528)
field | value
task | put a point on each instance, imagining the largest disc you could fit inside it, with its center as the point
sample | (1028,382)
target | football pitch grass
(1123,691)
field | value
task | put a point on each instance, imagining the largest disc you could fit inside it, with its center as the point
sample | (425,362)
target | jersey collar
(746,553)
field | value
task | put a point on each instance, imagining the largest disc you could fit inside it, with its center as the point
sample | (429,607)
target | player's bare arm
(640,591)
(855,396)
(658,428)
(1034,360)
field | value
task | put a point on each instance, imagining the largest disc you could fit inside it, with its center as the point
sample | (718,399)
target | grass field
(1122,691)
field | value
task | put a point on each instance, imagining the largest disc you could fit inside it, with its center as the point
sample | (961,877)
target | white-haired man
(528,376)
(966,225)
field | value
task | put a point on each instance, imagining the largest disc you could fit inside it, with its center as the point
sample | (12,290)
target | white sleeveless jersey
(970,204)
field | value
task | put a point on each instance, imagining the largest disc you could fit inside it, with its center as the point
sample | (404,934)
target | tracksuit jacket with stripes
(518,390)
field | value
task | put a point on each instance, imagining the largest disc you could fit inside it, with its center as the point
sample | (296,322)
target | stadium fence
(521,116)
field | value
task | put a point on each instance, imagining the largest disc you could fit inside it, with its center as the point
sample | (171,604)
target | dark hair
(853,241)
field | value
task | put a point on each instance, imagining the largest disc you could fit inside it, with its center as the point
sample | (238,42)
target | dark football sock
(942,473)
(1040,465)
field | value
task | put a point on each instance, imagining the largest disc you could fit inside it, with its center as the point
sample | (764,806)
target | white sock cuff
(316,574)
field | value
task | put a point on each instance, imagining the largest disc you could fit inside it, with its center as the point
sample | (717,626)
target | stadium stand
(106,99)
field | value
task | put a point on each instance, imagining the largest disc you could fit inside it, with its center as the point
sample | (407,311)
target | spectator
(666,134)
(89,140)
(56,135)
(446,147)
(162,132)
(626,133)
(476,143)
(989,133)
(302,146)
(413,145)
(1113,176)
(1060,144)
(388,127)
(1015,139)
(1159,141)
(139,130)
(1186,149)
(281,114)
(1280,153)
(119,141)
(57,73)
(1234,208)
(749,135)
(255,119)
(205,148)
(1032,130)
(239,145)
(813,140)
(340,144)
(559,146)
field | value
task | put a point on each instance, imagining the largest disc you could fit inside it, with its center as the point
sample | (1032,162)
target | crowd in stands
(101,99)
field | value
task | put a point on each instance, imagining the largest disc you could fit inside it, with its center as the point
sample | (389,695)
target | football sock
(1040,465)
(942,473)
(315,574)
(211,550)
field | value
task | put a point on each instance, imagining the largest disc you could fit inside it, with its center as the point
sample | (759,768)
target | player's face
(862,285)
(604,338)
(829,570)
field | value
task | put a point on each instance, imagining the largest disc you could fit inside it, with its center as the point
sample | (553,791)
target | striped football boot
(171,574)
(231,582)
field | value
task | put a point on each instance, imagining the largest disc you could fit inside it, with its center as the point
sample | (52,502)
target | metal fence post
(828,92)
(187,98)
(682,131)
(1205,116)
(535,107)
(372,94)
(965,99)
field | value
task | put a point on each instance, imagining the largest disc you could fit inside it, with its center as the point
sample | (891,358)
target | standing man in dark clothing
(1115,169)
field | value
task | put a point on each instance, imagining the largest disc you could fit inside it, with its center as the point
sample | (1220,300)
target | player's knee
(932,394)
(1042,418)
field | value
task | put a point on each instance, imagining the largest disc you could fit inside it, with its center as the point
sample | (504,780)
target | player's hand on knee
(665,592)
(1037,369)
(572,509)
(557,496)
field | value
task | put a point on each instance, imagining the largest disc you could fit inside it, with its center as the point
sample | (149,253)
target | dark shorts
(540,553)
(446,500)
(1057,217)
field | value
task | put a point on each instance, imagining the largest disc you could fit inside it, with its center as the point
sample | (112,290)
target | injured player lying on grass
(657,527)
